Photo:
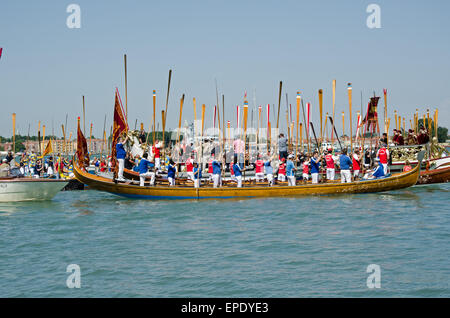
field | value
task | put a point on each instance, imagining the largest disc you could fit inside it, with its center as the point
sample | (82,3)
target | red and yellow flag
(48,150)
(120,124)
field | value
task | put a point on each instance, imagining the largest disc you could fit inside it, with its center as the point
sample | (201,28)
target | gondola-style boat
(394,182)
(439,175)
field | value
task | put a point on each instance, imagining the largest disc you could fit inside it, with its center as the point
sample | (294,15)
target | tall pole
(154,115)
(350,114)
(84,118)
(126,90)
(298,122)
(321,113)
(385,110)
(14,132)
(334,100)
(279,103)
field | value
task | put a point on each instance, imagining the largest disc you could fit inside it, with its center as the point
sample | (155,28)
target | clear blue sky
(245,45)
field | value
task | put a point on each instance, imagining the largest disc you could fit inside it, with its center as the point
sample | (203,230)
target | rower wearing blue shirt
(345,163)
(143,169)
(171,170)
(290,170)
(378,171)
(315,166)
(120,156)
(237,173)
(216,173)
(269,172)
(197,175)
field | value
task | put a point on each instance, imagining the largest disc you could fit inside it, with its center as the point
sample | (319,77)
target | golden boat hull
(398,181)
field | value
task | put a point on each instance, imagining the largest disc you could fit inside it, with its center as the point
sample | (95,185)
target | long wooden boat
(29,189)
(397,181)
(439,175)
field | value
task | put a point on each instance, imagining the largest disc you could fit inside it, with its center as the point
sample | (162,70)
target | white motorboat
(29,189)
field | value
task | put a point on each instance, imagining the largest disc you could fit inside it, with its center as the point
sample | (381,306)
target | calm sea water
(296,247)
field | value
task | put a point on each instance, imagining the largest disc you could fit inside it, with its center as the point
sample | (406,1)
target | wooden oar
(315,137)
(321,113)
(279,103)
(298,121)
(334,129)
(165,114)
(334,100)
(350,90)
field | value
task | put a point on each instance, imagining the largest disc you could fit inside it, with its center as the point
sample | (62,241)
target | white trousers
(270,179)
(121,166)
(315,177)
(259,176)
(385,168)
(171,181)
(49,171)
(143,176)
(305,176)
(197,183)
(346,176)
(157,163)
(216,180)
(355,173)
(239,181)
(281,177)
(291,180)
(331,173)
(190,175)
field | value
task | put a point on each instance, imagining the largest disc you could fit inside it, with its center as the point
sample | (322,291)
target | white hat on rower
(290,156)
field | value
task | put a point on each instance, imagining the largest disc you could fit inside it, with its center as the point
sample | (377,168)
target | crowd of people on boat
(29,164)
(285,167)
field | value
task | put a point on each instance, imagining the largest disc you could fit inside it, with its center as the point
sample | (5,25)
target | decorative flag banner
(82,151)
(268,114)
(358,126)
(119,125)
(1,51)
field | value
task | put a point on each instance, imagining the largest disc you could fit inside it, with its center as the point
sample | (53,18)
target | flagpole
(126,90)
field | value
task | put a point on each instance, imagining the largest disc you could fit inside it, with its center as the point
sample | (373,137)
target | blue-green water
(296,247)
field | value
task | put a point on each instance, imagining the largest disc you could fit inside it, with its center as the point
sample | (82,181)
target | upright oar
(14,133)
(334,129)
(279,103)
(334,100)
(298,122)
(321,113)
(349,89)
(165,114)
(315,137)
(126,90)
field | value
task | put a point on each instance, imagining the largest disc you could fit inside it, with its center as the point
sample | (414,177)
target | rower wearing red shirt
(190,168)
(356,163)
(156,149)
(383,155)
(330,160)
(282,170)
(259,169)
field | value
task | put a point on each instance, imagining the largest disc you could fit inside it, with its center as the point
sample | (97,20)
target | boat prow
(29,189)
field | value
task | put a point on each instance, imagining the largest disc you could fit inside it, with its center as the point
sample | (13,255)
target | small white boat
(29,189)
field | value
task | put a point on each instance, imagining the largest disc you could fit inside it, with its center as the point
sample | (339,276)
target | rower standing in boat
(282,146)
(190,167)
(156,149)
(315,167)
(356,160)
(290,171)
(383,156)
(330,161)
(237,173)
(4,168)
(197,175)
(171,171)
(268,169)
(305,171)
(143,168)
(259,172)
(216,173)
(282,171)
(345,163)
(120,156)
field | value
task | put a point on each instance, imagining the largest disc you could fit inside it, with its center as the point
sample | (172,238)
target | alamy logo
(74,19)
(374,19)
(74,279)
(374,279)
